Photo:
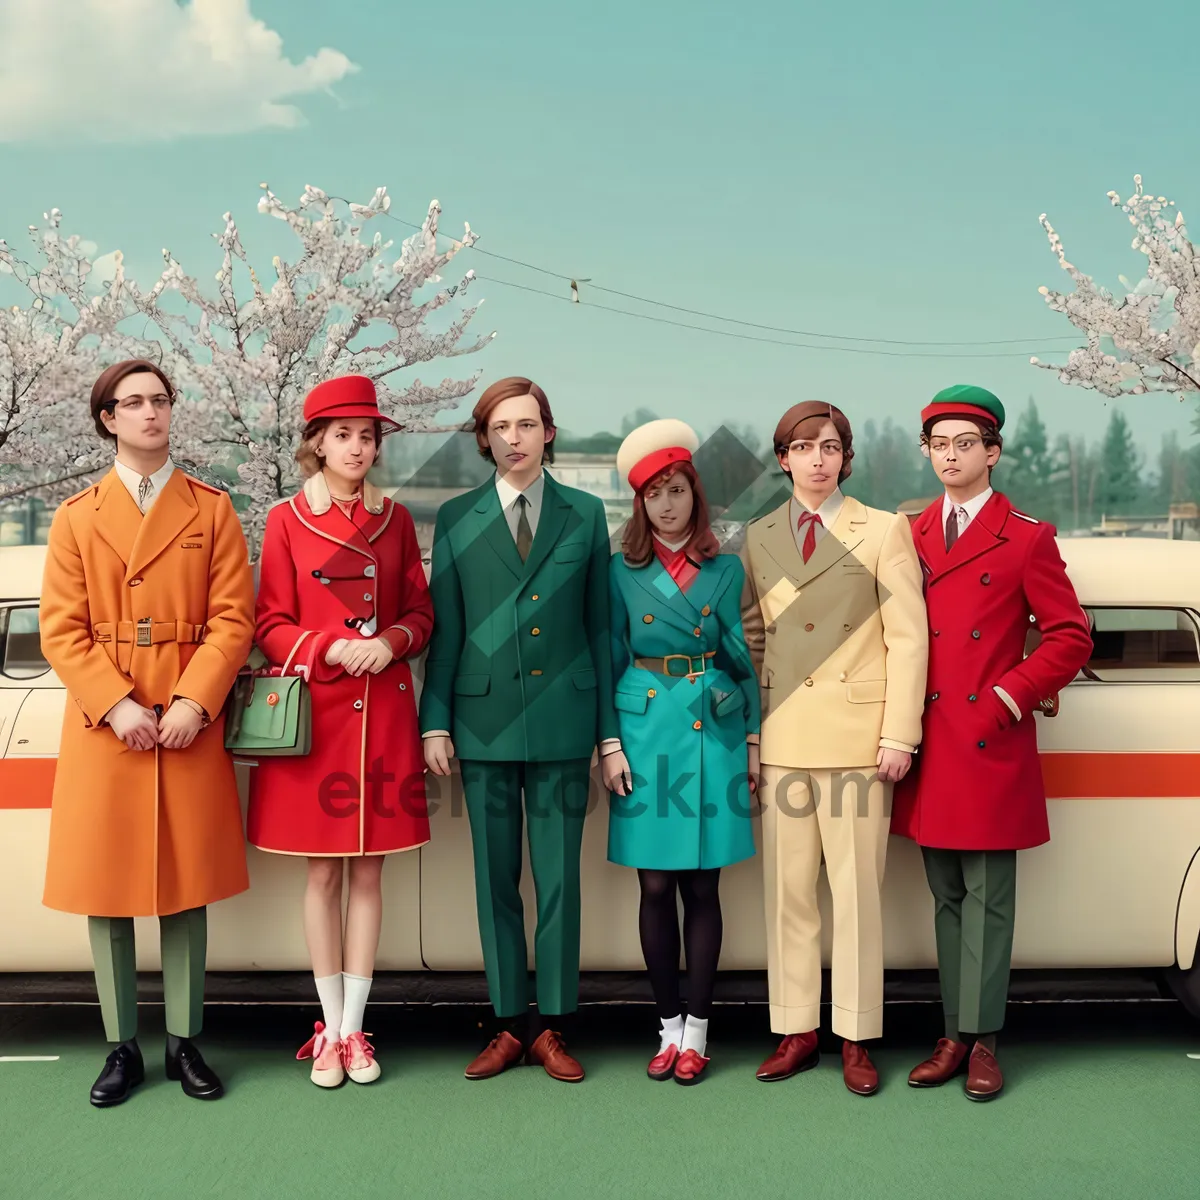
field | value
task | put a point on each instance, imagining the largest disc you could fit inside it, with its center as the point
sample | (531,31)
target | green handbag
(268,715)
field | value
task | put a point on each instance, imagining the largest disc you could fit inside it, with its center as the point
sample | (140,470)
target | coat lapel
(555,510)
(984,533)
(662,592)
(168,515)
(495,528)
(840,540)
(121,519)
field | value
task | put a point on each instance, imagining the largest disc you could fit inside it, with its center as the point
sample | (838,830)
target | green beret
(966,400)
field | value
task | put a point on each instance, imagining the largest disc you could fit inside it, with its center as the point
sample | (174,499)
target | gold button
(535,672)
(696,631)
(842,677)
(705,611)
(535,631)
(134,582)
(846,627)
(808,683)
(651,693)
(809,628)
(696,724)
(273,699)
(534,596)
(647,618)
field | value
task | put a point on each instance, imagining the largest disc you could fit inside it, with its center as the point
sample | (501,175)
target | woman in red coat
(343,601)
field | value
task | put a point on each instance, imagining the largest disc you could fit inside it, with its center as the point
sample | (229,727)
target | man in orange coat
(147,613)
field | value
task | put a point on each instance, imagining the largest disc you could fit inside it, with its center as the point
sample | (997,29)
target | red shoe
(328,1070)
(358,1058)
(502,1052)
(984,1079)
(690,1067)
(662,1065)
(797,1052)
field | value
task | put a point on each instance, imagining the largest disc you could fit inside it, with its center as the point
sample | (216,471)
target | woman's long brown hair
(637,545)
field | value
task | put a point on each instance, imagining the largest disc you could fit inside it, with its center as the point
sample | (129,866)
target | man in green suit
(518,686)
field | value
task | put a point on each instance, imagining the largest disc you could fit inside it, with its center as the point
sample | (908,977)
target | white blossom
(243,353)
(1147,340)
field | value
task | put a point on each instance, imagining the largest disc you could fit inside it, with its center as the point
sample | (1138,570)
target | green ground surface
(1101,1100)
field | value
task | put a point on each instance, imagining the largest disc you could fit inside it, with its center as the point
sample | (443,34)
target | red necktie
(810,535)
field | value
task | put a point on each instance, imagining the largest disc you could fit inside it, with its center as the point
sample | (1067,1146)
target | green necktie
(524,533)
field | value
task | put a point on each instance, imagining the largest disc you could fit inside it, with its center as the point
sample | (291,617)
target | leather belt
(660,665)
(147,632)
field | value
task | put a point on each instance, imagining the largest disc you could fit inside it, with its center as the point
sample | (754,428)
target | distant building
(1181,523)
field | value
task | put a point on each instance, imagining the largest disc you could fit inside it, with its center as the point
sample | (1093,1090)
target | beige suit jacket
(841,643)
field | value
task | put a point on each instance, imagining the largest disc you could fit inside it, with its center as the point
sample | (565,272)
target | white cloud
(147,70)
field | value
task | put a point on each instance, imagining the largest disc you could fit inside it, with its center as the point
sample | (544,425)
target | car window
(1144,644)
(22,656)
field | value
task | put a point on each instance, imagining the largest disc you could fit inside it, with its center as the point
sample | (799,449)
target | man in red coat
(976,796)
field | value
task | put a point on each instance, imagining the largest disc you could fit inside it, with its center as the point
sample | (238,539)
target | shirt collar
(508,494)
(971,506)
(673,546)
(828,512)
(131,478)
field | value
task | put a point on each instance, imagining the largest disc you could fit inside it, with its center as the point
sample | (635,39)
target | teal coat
(685,741)
(518,668)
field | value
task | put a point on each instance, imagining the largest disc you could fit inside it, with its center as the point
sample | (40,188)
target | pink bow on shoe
(357,1044)
(315,1044)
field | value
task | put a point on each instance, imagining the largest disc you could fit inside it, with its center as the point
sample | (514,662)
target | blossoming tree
(245,354)
(1149,339)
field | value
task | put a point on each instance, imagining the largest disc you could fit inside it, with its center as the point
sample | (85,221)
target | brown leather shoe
(549,1052)
(797,1052)
(947,1061)
(502,1052)
(984,1081)
(858,1071)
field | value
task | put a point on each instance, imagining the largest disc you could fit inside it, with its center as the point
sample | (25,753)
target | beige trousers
(843,814)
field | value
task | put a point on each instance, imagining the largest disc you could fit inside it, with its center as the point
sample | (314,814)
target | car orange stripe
(1089,776)
(1086,775)
(26,782)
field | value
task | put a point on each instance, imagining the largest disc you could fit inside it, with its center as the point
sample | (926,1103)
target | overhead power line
(804,333)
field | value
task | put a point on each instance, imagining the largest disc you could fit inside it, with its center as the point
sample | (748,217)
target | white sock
(329,989)
(671,1032)
(695,1036)
(357,990)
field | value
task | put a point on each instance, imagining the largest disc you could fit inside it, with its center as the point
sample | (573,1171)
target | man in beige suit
(835,619)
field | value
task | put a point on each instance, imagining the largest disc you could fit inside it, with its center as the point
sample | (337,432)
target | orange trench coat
(145,832)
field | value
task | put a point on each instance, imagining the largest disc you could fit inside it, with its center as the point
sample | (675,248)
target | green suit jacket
(518,667)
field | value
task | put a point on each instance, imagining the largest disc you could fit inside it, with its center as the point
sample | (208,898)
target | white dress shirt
(828,512)
(965,513)
(133,480)
(512,510)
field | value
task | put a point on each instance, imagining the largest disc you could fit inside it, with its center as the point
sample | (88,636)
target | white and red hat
(651,448)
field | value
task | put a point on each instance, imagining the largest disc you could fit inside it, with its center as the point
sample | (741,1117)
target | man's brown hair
(103,388)
(497,393)
(806,413)
(637,543)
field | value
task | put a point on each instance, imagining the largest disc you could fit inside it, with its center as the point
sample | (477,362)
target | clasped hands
(356,657)
(140,729)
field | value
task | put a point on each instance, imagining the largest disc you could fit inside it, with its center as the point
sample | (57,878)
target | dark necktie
(524,533)
(951,528)
(810,534)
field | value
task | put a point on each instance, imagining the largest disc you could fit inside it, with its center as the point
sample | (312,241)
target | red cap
(346,396)
(656,463)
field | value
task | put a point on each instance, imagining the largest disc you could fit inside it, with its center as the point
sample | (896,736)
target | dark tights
(658,924)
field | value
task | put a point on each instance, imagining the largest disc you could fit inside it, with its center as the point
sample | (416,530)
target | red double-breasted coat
(326,575)
(976,783)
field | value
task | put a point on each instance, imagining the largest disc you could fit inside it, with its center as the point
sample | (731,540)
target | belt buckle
(667,670)
(144,632)
(692,672)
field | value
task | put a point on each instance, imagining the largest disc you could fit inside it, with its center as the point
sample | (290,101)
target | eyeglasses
(962,445)
(131,404)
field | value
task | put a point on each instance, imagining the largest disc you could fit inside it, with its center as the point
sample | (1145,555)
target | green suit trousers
(183,937)
(975,908)
(555,804)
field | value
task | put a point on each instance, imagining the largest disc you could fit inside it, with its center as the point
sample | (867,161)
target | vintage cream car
(1117,887)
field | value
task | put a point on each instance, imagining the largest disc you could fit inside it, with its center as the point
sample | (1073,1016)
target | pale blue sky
(870,169)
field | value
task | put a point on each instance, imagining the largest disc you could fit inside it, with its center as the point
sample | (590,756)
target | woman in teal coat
(687,702)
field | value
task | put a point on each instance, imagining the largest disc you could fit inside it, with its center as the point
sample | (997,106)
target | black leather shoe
(187,1065)
(123,1071)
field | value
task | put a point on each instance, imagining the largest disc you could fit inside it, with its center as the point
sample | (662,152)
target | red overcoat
(976,783)
(324,576)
